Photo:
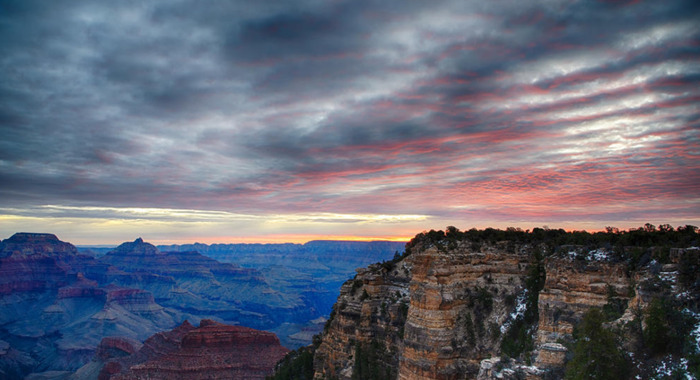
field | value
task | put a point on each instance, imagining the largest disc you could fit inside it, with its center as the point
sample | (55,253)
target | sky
(251,121)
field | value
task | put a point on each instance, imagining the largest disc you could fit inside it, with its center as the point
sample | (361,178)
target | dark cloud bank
(514,111)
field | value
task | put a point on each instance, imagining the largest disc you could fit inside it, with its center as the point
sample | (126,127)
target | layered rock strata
(436,313)
(571,289)
(459,301)
(460,304)
(212,351)
(372,307)
(57,304)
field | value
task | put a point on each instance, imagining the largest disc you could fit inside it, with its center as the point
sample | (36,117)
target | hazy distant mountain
(203,287)
(57,304)
(314,270)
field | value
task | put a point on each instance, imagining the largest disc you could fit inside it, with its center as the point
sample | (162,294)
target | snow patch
(696,330)
(520,308)
(599,254)
(669,366)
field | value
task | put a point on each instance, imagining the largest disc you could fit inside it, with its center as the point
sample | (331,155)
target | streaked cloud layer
(285,120)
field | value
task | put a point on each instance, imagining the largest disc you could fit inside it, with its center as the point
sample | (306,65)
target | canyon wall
(455,311)
(438,314)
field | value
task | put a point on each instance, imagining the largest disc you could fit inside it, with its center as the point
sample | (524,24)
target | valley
(58,303)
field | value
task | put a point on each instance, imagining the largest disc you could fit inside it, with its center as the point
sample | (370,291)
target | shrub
(372,362)
(596,354)
(667,330)
(296,365)
(615,306)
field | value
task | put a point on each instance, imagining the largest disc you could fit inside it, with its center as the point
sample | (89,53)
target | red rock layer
(157,345)
(212,334)
(212,351)
(111,347)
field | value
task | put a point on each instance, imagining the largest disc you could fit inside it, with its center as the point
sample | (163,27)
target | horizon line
(88,241)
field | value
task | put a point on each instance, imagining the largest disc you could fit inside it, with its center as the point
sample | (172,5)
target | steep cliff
(370,315)
(434,314)
(459,301)
(466,306)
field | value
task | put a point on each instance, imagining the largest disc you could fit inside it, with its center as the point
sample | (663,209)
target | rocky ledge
(212,351)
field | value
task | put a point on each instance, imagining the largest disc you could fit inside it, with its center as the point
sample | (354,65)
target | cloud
(523,110)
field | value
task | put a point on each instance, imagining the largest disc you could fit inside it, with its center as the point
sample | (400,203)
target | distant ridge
(336,245)
(32,243)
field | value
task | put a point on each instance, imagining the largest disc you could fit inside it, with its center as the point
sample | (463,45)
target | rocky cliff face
(212,351)
(32,262)
(459,301)
(572,288)
(436,314)
(459,310)
(371,312)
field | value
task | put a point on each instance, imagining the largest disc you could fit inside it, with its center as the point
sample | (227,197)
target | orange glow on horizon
(274,239)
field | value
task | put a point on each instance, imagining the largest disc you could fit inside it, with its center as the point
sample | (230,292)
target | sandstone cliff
(437,314)
(460,308)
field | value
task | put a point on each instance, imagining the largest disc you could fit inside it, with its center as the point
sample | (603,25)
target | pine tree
(596,355)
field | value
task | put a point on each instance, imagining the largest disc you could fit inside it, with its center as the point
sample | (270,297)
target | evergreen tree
(596,355)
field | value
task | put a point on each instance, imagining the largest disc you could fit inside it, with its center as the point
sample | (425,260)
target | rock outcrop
(212,351)
(459,309)
(371,312)
(572,288)
(459,301)
(436,314)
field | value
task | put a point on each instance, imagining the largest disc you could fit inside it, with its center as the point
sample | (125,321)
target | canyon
(453,305)
(58,303)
